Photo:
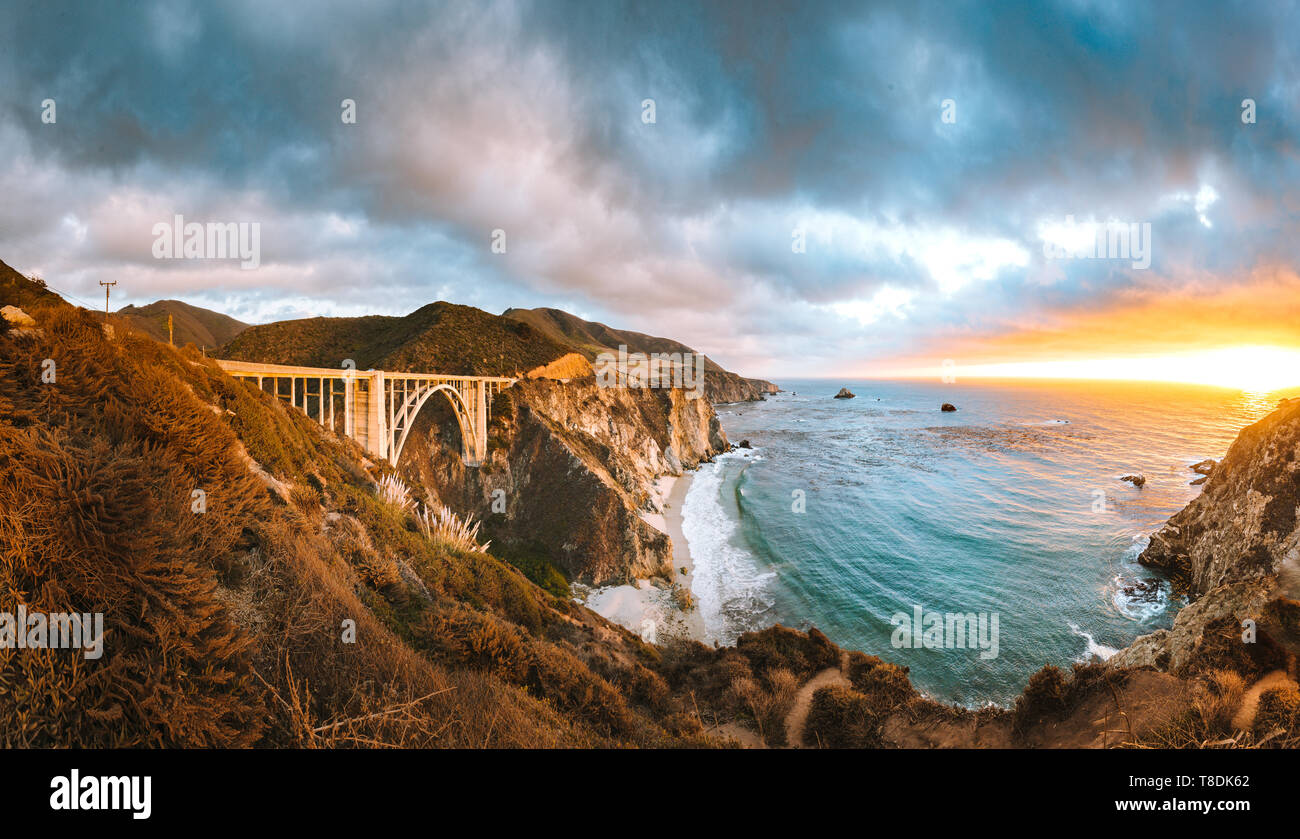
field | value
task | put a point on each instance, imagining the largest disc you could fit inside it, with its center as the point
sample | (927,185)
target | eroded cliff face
(1243,525)
(721,386)
(1235,552)
(570,471)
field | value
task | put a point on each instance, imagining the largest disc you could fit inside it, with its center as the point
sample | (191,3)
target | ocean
(849,514)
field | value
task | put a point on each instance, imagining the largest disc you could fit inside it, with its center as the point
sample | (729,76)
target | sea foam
(1093,648)
(729,586)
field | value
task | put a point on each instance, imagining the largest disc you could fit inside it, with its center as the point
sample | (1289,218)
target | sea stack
(1135,480)
(844,394)
(947,407)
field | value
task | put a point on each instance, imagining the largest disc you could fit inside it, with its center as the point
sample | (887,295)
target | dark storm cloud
(771,118)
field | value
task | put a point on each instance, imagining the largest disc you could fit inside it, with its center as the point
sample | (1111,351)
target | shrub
(781,647)
(1278,708)
(885,684)
(1218,699)
(533,562)
(840,718)
(1044,695)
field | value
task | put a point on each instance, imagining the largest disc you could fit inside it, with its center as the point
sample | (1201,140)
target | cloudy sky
(831,189)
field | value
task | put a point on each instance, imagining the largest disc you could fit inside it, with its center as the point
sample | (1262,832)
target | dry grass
(439,524)
(392,490)
(273,619)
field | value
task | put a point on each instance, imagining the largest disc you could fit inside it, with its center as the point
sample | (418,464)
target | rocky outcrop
(845,393)
(571,469)
(16,316)
(1243,524)
(721,386)
(1173,650)
(947,407)
(1235,552)
(1135,480)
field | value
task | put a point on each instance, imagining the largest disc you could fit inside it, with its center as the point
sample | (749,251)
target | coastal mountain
(190,324)
(441,337)
(590,339)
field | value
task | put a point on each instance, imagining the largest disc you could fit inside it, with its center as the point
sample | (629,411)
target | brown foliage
(96,475)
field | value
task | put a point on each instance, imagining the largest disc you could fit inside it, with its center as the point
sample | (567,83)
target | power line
(63,293)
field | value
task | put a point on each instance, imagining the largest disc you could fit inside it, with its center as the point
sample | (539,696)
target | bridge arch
(464,421)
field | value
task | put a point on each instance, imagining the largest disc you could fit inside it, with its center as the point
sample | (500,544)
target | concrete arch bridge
(378,408)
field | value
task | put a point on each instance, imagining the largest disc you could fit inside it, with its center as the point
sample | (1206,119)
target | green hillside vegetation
(440,337)
(190,324)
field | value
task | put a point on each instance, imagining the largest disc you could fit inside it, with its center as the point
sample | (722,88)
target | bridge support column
(376,416)
(480,423)
(349,386)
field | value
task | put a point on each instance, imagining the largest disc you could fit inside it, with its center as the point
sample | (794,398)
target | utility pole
(106,287)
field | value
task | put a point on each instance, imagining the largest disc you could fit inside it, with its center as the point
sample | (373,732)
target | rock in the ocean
(1198,481)
(844,394)
(1205,467)
(744,444)
(1135,480)
(947,407)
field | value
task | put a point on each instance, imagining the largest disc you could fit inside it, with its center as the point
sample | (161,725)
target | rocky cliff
(589,339)
(1235,552)
(1243,525)
(571,466)
(571,469)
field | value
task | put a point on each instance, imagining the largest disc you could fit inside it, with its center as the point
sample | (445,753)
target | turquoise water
(1010,506)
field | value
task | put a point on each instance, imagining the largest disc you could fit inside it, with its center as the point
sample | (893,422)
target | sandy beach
(644,607)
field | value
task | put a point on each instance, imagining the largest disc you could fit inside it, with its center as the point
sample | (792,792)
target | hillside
(304,605)
(17,290)
(591,339)
(440,337)
(190,324)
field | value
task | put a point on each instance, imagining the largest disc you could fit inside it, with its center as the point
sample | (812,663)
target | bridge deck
(256,368)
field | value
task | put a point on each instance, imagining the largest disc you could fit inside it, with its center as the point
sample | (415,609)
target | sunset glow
(1254,369)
